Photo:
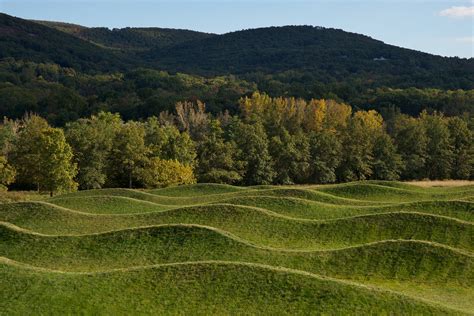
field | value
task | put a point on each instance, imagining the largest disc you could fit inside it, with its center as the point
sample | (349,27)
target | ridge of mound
(376,192)
(301,208)
(153,196)
(255,225)
(210,287)
(198,189)
(387,259)
(103,204)
(371,247)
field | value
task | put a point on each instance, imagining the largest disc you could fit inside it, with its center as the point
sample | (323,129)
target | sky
(439,27)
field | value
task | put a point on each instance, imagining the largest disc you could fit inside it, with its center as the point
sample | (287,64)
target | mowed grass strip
(257,226)
(197,288)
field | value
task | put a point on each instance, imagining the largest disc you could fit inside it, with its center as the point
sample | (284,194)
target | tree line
(61,94)
(270,141)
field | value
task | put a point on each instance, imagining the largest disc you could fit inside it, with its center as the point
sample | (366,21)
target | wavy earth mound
(357,248)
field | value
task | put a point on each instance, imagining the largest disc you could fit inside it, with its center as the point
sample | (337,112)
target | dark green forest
(278,105)
(63,71)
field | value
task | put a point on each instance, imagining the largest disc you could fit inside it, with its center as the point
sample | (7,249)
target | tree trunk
(51,193)
(130,179)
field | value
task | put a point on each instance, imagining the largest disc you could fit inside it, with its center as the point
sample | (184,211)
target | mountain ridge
(123,38)
(142,71)
(317,53)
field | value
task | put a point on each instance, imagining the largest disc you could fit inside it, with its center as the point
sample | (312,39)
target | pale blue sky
(436,26)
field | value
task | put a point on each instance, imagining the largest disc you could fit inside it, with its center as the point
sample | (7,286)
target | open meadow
(363,247)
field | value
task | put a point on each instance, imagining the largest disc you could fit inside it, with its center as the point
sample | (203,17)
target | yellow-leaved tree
(162,173)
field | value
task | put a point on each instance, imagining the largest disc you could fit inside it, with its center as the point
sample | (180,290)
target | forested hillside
(26,40)
(63,71)
(320,54)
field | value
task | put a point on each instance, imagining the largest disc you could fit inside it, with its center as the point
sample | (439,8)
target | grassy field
(357,248)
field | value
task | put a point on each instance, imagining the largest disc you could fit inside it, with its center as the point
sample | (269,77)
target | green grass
(255,225)
(371,247)
(186,200)
(108,204)
(301,208)
(197,190)
(196,288)
(406,262)
(378,192)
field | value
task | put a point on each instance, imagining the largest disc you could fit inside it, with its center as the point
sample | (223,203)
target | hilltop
(319,53)
(129,38)
(26,40)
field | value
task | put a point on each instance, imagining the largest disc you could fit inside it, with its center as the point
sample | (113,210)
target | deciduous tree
(129,154)
(7,173)
(439,148)
(325,152)
(218,160)
(56,160)
(158,173)
(253,143)
(91,140)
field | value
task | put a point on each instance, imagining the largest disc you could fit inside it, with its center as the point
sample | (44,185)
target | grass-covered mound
(186,199)
(197,190)
(196,288)
(372,247)
(257,226)
(301,208)
(109,204)
(392,259)
(393,262)
(402,193)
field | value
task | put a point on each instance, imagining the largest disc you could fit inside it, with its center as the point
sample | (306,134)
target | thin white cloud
(468,39)
(458,12)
